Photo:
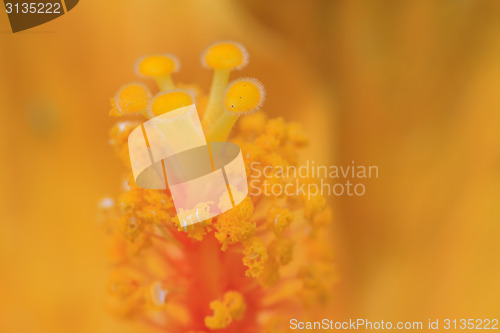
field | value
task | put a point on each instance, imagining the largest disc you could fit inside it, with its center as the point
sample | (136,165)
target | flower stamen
(159,67)
(222,57)
(242,96)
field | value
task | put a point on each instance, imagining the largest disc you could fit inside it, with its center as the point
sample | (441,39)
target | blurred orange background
(408,86)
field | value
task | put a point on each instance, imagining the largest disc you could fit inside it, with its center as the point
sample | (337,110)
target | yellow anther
(221,317)
(243,96)
(146,206)
(130,99)
(235,225)
(222,57)
(169,101)
(255,257)
(278,219)
(159,67)
(235,303)
(232,307)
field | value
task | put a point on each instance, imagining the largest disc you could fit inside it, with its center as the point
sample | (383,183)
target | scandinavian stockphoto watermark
(365,325)
(310,179)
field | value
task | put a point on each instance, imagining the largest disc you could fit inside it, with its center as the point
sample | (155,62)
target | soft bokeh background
(410,86)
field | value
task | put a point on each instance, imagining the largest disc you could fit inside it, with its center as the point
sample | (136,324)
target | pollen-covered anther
(235,225)
(159,67)
(235,303)
(255,256)
(168,101)
(242,96)
(232,307)
(222,57)
(132,98)
(278,219)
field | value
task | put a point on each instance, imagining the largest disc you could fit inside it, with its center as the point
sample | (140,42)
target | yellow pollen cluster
(279,219)
(255,257)
(232,307)
(242,270)
(235,225)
